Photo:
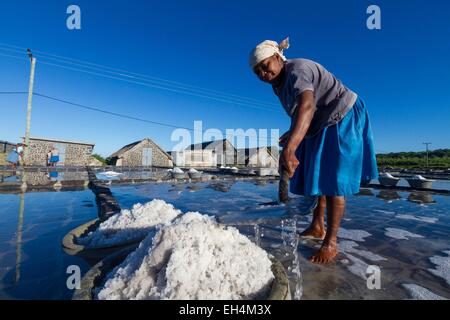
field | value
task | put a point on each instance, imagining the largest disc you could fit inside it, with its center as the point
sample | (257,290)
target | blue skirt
(338,158)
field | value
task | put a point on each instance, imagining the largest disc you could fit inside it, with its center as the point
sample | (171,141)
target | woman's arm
(300,125)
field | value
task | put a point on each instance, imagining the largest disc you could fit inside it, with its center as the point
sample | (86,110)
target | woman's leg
(335,212)
(317,227)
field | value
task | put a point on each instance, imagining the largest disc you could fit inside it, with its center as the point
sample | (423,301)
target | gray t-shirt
(333,99)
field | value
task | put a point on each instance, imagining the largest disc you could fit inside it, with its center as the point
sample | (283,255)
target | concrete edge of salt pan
(192,258)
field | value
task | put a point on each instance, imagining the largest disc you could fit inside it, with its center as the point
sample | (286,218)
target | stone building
(194,158)
(142,153)
(262,157)
(71,153)
(223,152)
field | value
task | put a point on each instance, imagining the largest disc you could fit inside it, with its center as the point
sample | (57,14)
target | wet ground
(404,235)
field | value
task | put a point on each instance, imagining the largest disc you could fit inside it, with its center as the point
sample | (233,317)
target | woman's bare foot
(326,254)
(314,231)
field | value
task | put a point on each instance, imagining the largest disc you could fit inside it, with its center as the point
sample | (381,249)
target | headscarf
(267,49)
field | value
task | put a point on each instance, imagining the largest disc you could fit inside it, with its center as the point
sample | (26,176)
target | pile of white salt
(129,225)
(194,257)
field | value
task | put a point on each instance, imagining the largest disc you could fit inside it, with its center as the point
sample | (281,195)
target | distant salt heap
(111,173)
(387,175)
(418,177)
(192,258)
(177,170)
(192,170)
(128,225)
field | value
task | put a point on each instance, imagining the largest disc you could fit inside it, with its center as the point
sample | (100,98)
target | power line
(168,85)
(13,92)
(88,64)
(121,115)
(152,85)
(109,112)
(161,87)
(96,109)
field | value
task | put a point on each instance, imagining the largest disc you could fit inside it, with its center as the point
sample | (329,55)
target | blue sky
(401,71)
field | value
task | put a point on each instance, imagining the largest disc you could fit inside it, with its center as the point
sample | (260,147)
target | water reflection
(43,177)
(388,195)
(421,197)
(19,238)
(365,192)
(221,186)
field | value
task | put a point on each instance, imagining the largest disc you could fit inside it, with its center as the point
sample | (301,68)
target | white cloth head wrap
(266,49)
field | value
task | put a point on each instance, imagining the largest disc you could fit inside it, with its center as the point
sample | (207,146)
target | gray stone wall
(133,157)
(75,154)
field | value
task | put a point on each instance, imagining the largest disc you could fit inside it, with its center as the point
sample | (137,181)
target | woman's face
(269,69)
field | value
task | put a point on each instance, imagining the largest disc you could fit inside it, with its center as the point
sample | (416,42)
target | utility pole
(30,98)
(427,143)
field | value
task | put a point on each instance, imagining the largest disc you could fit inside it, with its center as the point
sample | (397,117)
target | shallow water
(33,264)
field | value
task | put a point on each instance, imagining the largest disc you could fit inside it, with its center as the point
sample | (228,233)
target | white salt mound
(387,175)
(111,173)
(128,225)
(177,170)
(418,177)
(192,258)
(192,170)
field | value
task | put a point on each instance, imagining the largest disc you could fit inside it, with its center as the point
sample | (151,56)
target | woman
(329,148)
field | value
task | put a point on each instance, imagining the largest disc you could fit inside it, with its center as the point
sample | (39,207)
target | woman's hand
(284,138)
(289,161)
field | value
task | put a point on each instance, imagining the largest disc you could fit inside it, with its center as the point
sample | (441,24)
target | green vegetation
(439,158)
(99,158)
